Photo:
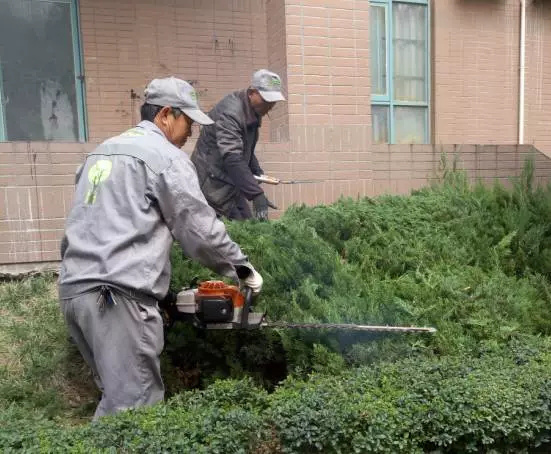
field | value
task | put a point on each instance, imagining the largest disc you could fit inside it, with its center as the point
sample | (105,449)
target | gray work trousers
(121,339)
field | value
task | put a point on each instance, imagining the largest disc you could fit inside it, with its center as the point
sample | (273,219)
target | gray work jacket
(135,193)
(235,132)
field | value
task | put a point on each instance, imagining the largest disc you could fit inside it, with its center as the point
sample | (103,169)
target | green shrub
(473,262)
(470,260)
(498,400)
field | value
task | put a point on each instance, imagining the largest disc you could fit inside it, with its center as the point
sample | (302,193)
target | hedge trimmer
(275,181)
(215,305)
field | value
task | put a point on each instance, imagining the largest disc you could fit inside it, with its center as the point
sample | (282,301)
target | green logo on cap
(275,82)
(193,95)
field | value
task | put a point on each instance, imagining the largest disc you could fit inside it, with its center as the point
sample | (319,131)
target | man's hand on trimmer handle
(249,277)
(261,205)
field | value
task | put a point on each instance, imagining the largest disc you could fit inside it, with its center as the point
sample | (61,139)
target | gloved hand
(260,205)
(251,278)
(169,300)
(167,308)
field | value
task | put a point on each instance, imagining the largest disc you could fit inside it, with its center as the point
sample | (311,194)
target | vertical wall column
(329,94)
(277,62)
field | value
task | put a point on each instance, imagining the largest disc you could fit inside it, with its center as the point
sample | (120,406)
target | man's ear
(160,118)
(165,111)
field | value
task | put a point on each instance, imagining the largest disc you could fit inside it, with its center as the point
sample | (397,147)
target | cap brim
(271,96)
(198,116)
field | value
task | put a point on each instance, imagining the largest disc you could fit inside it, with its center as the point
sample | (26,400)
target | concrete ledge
(21,270)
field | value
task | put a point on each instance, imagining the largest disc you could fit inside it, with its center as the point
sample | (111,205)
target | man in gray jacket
(134,194)
(224,154)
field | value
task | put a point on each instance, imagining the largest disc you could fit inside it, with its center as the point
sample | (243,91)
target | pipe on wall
(522,71)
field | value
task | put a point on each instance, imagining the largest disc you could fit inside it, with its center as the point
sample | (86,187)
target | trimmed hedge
(499,401)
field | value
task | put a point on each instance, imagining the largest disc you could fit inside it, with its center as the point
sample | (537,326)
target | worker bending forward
(135,193)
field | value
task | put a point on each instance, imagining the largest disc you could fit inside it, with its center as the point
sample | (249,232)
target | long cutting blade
(351,327)
(271,180)
(300,181)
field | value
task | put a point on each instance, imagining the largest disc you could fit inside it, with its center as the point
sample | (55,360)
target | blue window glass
(400,79)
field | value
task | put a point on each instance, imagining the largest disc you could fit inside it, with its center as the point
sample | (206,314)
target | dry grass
(40,370)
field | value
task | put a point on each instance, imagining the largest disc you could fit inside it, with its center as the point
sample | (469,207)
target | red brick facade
(321,50)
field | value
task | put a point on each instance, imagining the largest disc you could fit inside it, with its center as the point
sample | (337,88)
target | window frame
(78,73)
(387,100)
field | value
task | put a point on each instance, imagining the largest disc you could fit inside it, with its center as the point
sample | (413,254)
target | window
(41,87)
(399,39)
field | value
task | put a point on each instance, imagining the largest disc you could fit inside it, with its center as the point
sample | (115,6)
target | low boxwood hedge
(499,401)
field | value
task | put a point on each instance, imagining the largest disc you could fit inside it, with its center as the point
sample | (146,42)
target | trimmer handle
(249,298)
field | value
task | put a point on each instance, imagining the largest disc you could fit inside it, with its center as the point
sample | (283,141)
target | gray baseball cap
(268,85)
(173,92)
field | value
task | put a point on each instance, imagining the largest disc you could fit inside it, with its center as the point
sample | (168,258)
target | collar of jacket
(150,126)
(251,117)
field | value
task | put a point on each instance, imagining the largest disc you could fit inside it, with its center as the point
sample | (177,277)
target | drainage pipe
(522,71)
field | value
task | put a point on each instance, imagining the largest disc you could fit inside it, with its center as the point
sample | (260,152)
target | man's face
(258,104)
(176,126)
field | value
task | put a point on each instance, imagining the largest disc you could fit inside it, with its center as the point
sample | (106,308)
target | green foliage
(196,357)
(497,401)
(470,260)
(474,262)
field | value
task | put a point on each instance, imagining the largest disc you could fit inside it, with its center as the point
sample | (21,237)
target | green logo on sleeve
(97,174)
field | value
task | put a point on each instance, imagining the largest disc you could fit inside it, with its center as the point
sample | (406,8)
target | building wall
(277,61)
(323,132)
(323,47)
(329,114)
(217,44)
(475,71)
(538,76)
(36,191)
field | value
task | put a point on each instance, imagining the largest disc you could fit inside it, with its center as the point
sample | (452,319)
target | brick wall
(538,76)
(277,61)
(36,190)
(36,183)
(321,49)
(476,63)
(397,169)
(475,71)
(216,43)
(328,62)
(329,115)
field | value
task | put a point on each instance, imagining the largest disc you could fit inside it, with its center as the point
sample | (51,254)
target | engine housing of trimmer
(217,305)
